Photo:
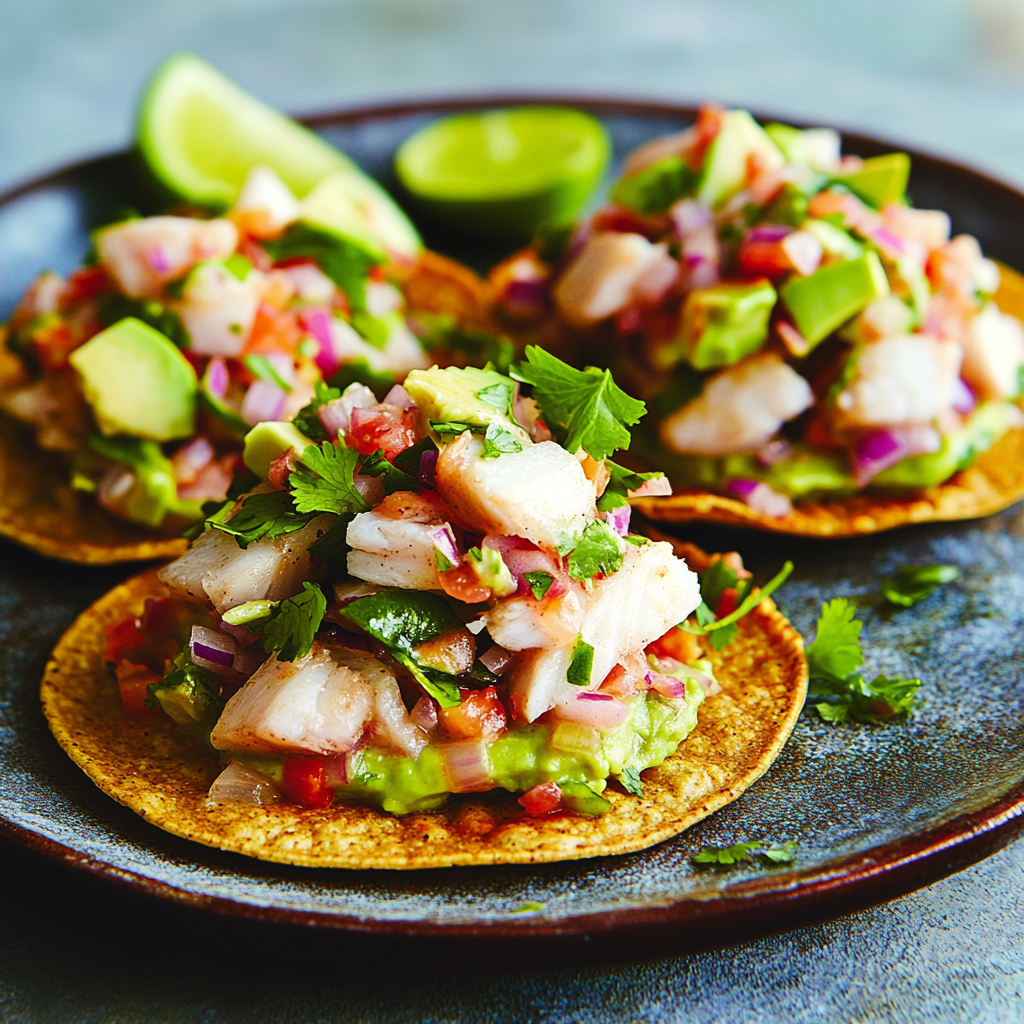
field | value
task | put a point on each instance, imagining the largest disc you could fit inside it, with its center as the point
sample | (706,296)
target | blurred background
(944,75)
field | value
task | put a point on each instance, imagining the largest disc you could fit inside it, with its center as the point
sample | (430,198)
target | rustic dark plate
(877,811)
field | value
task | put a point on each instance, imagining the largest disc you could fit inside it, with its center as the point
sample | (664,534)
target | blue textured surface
(919,70)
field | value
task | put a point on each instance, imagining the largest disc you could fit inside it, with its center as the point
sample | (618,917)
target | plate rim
(766,904)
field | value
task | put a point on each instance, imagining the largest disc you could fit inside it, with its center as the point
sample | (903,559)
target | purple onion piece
(526,293)
(742,488)
(428,469)
(444,542)
(618,519)
(594,696)
(217,377)
(768,233)
(963,398)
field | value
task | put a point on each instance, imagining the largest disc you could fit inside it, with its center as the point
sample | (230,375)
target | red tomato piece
(85,283)
(120,637)
(132,681)
(677,644)
(542,799)
(387,428)
(727,602)
(304,781)
(274,330)
(764,259)
(480,713)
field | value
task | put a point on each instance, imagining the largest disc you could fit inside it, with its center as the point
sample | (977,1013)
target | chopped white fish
(739,409)
(626,611)
(393,545)
(539,680)
(144,255)
(602,279)
(215,567)
(540,493)
(521,623)
(217,309)
(904,379)
(321,704)
(993,354)
(265,205)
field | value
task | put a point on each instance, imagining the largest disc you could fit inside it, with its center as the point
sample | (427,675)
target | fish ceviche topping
(434,594)
(799,329)
(147,366)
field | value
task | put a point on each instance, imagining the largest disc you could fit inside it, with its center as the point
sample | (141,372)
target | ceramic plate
(877,811)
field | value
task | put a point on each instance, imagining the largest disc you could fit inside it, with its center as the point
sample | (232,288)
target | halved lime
(201,135)
(503,172)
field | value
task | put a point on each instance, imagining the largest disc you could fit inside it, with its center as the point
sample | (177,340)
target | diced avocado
(828,298)
(137,382)
(727,158)
(467,395)
(154,491)
(834,240)
(720,326)
(881,179)
(655,188)
(815,147)
(269,440)
(806,472)
(490,569)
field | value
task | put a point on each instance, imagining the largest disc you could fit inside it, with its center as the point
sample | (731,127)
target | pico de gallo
(799,329)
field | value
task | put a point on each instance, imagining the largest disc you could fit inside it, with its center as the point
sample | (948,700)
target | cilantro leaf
(835,651)
(291,626)
(306,419)
(638,540)
(539,582)
(600,550)
(498,395)
(324,482)
(394,478)
(724,635)
(752,852)
(781,853)
(578,672)
(620,483)
(629,779)
(583,408)
(912,584)
(260,517)
(715,580)
(499,441)
(454,429)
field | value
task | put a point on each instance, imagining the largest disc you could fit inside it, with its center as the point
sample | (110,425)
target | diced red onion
(522,557)
(210,648)
(963,398)
(773,451)
(399,398)
(881,449)
(317,323)
(336,771)
(656,281)
(428,469)
(345,593)
(158,260)
(768,233)
(217,377)
(466,766)
(667,686)
(241,634)
(283,365)
(239,783)
(759,497)
(889,243)
(794,341)
(246,662)
(618,519)
(189,459)
(263,401)
(658,487)
(742,488)
(424,714)
(444,541)
(688,216)
(496,659)
(600,711)
(531,293)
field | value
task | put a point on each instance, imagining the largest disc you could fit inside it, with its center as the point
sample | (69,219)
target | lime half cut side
(201,135)
(501,172)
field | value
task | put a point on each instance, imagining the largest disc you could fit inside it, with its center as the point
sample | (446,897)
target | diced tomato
(304,781)
(542,799)
(710,119)
(764,259)
(615,218)
(727,602)
(387,428)
(54,341)
(480,713)
(819,435)
(677,644)
(120,637)
(629,320)
(132,681)
(157,635)
(464,585)
(281,469)
(85,283)
(274,330)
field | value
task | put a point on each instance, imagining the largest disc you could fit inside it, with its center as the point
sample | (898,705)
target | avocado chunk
(834,240)
(724,324)
(655,188)
(268,441)
(137,382)
(726,161)
(881,179)
(828,298)
(475,397)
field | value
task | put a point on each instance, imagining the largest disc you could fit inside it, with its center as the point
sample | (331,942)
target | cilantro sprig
(325,480)
(582,408)
(912,584)
(746,852)
(260,517)
(289,628)
(599,550)
(833,658)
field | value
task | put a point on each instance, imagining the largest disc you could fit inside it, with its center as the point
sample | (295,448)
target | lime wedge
(503,172)
(201,135)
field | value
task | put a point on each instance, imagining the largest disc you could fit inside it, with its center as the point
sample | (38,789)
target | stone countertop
(942,75)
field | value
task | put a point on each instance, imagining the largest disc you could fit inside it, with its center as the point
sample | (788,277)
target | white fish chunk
(540,493)
(739,409)
(217,309)
(993,354)
(521,623)
(265,206)
(538,681)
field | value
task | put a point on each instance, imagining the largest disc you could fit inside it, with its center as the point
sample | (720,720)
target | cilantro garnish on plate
(752,852)
(914,583)
(833,658)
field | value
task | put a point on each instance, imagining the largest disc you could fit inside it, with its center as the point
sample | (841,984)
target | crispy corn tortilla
(157,771)
(994,482)
(40,510)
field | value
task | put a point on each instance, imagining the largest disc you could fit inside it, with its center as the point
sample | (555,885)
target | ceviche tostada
(428,636)
(820,356)
(127,387)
